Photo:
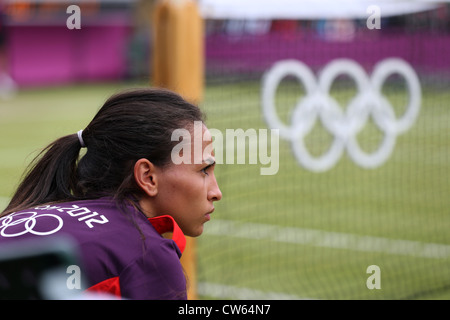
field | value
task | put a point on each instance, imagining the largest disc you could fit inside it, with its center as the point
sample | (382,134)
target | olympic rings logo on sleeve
(342,125)
(17,224)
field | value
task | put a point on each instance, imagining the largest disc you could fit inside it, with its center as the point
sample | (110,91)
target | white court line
(328,239)
(222,291)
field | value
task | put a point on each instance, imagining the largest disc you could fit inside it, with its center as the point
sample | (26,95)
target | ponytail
(50,177)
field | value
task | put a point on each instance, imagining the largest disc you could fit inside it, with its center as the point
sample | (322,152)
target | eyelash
(206,168)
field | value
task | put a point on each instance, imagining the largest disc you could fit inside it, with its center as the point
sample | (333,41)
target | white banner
(308,9)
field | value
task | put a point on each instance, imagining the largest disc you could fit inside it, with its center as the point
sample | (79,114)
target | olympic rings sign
(343,125)
(25,222)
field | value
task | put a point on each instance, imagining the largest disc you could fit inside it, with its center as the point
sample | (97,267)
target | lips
(208,214)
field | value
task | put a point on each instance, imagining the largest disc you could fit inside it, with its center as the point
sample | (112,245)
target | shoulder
(155,274)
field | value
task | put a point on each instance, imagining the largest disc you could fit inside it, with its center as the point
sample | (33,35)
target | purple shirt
(124,249)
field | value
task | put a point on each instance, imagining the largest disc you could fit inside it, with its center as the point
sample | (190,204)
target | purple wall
(427,52)
(49,55)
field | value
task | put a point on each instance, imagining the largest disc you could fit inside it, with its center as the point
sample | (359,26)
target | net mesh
(346,231)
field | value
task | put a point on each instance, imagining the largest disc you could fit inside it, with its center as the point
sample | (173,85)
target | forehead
(201,146)
(195,145)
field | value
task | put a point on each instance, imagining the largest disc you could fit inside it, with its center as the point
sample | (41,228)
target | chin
(194,232)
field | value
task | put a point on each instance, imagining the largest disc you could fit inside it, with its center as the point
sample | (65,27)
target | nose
(214,193)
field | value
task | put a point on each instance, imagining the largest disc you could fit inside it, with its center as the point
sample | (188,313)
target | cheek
(190,197)
(189,209)
(183,192)
(183,196)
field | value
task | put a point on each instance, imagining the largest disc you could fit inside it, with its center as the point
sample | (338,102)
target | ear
(146,177)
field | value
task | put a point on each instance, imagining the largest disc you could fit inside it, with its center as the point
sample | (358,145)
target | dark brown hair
(131,125)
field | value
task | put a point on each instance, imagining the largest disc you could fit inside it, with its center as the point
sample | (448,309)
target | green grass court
(395,216)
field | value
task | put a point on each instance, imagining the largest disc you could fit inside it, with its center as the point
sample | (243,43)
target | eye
(205,169)
(208,164)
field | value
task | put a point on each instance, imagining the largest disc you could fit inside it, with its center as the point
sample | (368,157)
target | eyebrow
(210,161)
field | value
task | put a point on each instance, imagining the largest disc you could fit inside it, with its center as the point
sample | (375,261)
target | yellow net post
(178,65)
(178,48)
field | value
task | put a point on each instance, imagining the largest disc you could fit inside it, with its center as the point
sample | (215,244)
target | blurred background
(298,234)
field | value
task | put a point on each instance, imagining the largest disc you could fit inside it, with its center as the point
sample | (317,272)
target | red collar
(166,223)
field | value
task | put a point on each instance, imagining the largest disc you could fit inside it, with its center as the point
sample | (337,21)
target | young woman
(121,195)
